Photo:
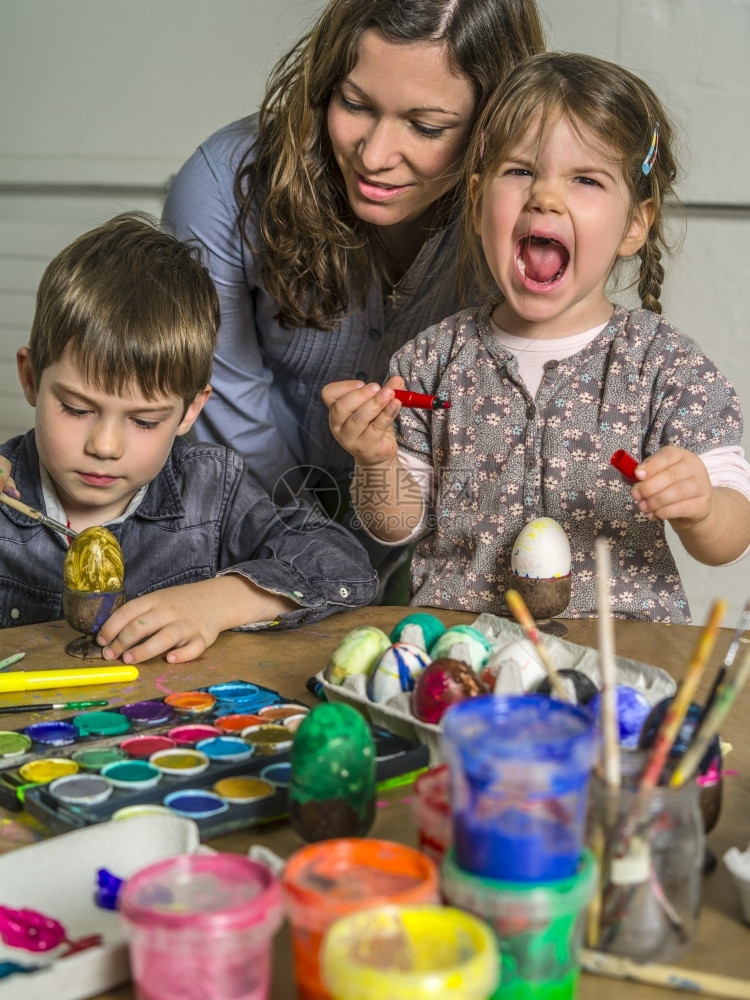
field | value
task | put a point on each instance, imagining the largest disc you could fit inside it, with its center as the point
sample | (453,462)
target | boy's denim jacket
(201,517)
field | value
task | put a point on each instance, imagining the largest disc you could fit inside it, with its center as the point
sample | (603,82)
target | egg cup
(545,598)
(86,611)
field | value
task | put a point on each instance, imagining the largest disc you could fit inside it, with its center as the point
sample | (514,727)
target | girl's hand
(673,485)
(7,485)
(361,418)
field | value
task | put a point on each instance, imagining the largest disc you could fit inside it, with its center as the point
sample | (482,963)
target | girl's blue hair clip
(651,155)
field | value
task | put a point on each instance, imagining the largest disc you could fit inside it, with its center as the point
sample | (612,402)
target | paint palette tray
(179,754)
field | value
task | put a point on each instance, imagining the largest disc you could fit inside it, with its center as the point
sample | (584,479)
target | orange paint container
(328,880)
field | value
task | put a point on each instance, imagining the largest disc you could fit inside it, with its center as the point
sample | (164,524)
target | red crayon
(420,400)
(625,464)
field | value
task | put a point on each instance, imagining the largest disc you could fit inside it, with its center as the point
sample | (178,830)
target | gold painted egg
(94,562)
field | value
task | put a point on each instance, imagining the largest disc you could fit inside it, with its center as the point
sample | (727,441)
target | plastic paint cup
(53,734)
(431,812)
(191,732)
(243,789)
(331,879)
(520,768)
(101,724)
(196,803)
(46,769)
(410,953)
(269,737)
(183,763)
(146,744)
(147,713)
(134,775)
(95,758)
(81,789)
(191,702)
(278,713)
(235,690)
(237,721)
(143,809)
(202,925)
(279,774)
(225,748)
(13,744)
(539,927)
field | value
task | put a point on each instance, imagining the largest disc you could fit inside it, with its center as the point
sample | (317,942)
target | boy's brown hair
(136,307)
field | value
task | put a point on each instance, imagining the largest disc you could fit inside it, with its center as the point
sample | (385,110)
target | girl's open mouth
(541,259)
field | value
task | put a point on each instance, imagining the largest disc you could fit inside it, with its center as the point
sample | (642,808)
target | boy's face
(100,449)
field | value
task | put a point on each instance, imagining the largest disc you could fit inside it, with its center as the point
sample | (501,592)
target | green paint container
(539,926)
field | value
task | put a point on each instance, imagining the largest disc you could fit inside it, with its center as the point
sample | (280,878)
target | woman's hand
(361,418)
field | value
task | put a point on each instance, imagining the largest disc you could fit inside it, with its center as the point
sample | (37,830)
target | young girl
(570,163)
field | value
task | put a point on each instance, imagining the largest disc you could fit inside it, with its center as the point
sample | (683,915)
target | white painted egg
(541,550)
(520,653)
(396,670)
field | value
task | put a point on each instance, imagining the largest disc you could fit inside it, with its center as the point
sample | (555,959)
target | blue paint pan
(53,734)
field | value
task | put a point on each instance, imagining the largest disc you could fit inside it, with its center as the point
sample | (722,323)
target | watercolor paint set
(218,755)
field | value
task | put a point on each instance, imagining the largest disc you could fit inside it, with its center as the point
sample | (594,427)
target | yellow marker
(36,680)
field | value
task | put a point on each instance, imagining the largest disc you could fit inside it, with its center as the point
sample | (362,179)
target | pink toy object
(442,683)
(625,464)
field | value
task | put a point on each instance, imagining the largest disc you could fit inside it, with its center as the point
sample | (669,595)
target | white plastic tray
(57,877)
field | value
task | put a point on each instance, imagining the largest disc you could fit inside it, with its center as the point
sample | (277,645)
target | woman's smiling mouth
(378,191)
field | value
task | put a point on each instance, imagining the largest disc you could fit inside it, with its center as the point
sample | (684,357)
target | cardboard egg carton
(396,715)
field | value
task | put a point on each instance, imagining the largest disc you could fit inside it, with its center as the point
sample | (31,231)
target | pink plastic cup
(202,925)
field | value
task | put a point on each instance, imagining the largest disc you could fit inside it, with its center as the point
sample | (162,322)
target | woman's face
(398,125)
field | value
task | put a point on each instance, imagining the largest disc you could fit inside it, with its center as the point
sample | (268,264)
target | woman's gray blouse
(266,402)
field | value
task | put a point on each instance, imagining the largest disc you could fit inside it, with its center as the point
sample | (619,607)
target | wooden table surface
(284,661)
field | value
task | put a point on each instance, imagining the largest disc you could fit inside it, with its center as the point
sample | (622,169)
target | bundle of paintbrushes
(645,824)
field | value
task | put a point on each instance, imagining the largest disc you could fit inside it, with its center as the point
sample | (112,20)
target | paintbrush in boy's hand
(37,515)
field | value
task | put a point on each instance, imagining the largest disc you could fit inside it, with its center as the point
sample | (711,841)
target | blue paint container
(520,767)
(195,803)
(53,734)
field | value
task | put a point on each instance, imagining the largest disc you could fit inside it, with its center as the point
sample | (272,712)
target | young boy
(117,367)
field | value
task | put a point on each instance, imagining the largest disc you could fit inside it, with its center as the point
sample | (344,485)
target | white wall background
(100,103)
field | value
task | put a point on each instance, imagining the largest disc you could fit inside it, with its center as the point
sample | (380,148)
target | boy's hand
(7,484)
(184,621)
(673,485)
(361,418)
